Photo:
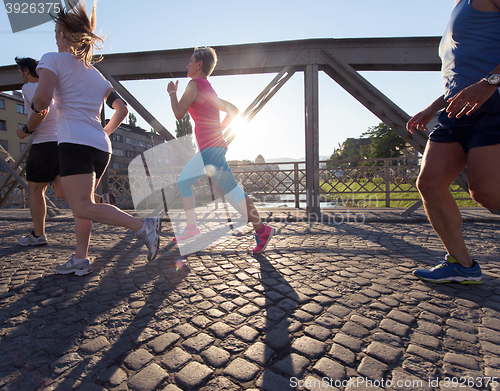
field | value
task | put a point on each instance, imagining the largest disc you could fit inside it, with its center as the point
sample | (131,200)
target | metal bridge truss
(341,59)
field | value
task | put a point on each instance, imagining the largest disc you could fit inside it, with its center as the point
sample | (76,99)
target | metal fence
(353,183)
(358,183)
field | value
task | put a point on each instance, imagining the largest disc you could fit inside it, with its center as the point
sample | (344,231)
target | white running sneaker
(79,268)
(150,234)
(30,240)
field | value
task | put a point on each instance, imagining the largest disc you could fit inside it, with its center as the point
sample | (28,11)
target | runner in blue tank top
(467,135)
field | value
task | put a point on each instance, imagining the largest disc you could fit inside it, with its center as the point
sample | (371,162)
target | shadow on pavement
(104,299)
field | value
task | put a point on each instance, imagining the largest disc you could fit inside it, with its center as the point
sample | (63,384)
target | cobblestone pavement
(324,304)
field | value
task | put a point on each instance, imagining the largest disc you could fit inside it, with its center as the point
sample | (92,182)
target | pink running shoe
(187,235)
(263,239)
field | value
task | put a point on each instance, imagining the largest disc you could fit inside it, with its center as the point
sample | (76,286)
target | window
(118,152)
(130,141)
(20,125)
(22,146)
(3,125)
(4,144)
(20,109)
(118,165)
(130,153)
(2,104)
(141,144)
(149,146)
(117,137)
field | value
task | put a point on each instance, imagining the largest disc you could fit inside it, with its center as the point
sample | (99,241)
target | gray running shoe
(80,269)
(30,240)
(150,235)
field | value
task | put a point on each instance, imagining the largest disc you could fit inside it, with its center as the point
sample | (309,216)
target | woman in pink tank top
(205,106)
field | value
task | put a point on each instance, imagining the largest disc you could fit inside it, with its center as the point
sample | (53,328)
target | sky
(278,130)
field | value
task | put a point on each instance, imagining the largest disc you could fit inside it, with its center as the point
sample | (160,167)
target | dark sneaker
(449,270)
(80,268)
(31,240)
(150,234)
(187,235)
(108,198)
(263,239)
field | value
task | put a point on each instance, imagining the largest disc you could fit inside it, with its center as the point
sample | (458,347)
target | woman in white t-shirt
(78,90)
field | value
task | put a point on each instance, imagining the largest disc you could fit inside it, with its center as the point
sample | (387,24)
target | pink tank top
(206,116)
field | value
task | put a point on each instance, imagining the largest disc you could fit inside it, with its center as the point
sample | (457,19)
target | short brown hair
(79,29)
(27,63)
(209,58)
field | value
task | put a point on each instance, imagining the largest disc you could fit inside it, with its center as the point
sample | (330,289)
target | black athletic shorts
(76,159)
(43,162)
(480,129)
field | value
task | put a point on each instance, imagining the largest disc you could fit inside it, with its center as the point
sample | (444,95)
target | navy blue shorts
(43,162)
(75,159)
(480,129)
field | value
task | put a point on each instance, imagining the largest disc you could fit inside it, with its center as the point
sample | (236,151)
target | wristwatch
(493,79)
(25,130)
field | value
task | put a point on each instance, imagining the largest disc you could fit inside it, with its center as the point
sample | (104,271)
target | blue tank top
(470,47)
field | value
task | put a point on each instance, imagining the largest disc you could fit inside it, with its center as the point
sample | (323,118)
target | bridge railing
(352,183)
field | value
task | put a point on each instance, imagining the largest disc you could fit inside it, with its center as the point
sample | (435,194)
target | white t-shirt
(47,130)
(78,98)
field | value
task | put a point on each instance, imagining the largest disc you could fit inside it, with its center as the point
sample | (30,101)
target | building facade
(127,141)
(12,116)
(130,141)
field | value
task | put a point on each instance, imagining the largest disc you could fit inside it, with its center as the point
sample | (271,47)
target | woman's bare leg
(189,205)
(79,192)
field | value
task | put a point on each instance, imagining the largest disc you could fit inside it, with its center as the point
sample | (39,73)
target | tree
(349,150)
(184,132)
(183,127)
(132,119)
(378,142)
(385,143)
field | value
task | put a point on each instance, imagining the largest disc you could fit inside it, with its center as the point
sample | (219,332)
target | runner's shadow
(277,357)
(385,242)
(110,308)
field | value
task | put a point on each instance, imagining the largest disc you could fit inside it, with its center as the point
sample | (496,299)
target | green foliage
(184,132)
(183,127)
(132,119)
(349,150)
(385,143)
(379,142)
